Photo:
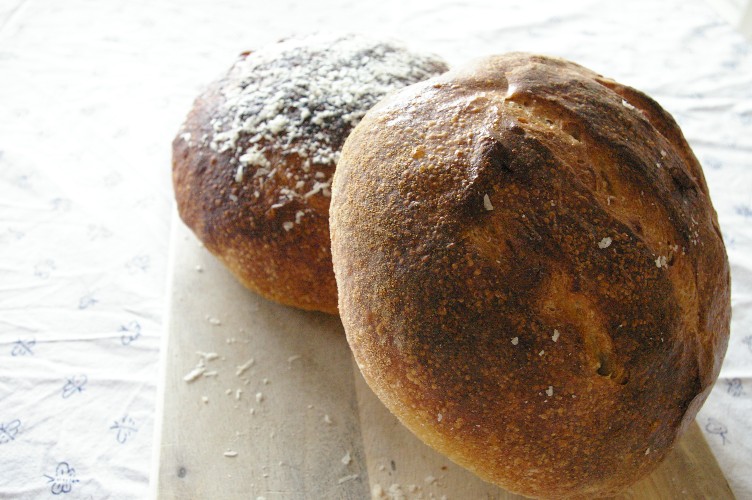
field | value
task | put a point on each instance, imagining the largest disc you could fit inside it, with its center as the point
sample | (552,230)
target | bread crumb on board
(194,374)
(200,368)
(347,478)
(242,368)
(396,492)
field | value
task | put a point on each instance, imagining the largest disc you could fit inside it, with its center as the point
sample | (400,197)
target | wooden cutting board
(259,400)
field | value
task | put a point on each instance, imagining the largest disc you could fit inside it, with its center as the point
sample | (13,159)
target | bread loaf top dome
(530,271)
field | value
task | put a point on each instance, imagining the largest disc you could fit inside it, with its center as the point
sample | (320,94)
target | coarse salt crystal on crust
(487,203)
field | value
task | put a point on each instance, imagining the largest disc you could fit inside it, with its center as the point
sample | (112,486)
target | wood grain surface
(278,410)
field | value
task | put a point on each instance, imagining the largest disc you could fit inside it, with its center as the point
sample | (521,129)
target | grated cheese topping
(303,88)
(301,97)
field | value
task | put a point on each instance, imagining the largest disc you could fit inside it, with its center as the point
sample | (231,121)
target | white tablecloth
(91,94)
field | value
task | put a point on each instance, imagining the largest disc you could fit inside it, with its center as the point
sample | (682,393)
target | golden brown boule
(531,273)
(253,162)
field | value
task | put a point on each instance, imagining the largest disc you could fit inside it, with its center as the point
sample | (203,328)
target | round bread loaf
(253,162)
(531,274)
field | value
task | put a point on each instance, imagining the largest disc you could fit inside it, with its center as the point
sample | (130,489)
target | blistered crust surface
(253,162)
(531,272)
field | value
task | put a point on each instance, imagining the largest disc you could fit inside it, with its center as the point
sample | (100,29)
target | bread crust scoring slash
(528,250)
(253,162)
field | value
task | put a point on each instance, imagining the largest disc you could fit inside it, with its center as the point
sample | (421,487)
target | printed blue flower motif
(712,162)
(43,268)
(743,210)
(11,234)
(23,348)
(138,263)
(748,342)
(87,301)
(74,385)
(23,182)
(9,431)
(735,387)
(125,428)
(64,479)
(715,427)
(61,204)
(131,332)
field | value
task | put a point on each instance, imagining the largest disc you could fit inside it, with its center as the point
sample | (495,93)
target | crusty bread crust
(253,162)
(531,274)
(242,230)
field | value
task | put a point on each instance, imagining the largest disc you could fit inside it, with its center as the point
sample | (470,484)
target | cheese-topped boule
(253,162)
